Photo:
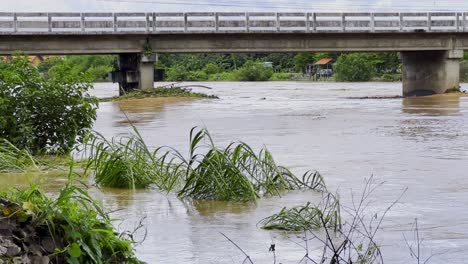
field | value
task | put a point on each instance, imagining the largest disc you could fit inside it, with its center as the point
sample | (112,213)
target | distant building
(322,68)
(268,64)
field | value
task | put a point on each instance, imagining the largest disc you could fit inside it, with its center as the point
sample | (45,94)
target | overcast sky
(231,5)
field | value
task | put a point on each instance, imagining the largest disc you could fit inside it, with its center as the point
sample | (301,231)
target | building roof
(324,61)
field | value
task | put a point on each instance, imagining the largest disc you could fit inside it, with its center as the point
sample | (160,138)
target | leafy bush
(253,72)
(387,77)
(212,68)
(282,76)
(96,66)
(197,76)
(223,76)
(177,73)
(44,114)
(353,67)
(70,228)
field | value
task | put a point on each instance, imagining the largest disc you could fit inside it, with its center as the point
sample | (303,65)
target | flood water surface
(416,143)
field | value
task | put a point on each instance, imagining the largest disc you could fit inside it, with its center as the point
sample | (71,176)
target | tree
(354,67)
(253,72)
(44,113)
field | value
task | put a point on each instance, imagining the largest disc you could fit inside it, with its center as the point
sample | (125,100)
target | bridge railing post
(343,22)
(464,21)
(185,22)
(247,22)
(147,17)
(401,21)
(49,22)
(429,21)
(314,22)
(372,22)
(216,22)
(154,22)
(307,22)
(115,22)
(15,22)
(82,22)
(278,22)
(457,21)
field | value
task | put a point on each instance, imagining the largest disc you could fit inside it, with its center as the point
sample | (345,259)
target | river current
(418,144)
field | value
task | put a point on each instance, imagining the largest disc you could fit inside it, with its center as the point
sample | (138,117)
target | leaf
(74,250)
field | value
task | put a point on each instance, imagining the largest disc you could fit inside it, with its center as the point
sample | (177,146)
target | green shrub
(212,68)
(387,77)
(44,114)
(253,72)
(353,67)
(197,76)
(282,76)
(72,225)
(177,73)
(223,76)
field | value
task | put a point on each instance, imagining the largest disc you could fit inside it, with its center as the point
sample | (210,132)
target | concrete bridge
(431,43)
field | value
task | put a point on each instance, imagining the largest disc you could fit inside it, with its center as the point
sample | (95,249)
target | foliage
(128,163)
(353,67)
(96,66)
(308,217)
(212,68)
(235,173)
(44,114)
(464,71)
(282,76)
(78,228)
(253,72)
(14,159)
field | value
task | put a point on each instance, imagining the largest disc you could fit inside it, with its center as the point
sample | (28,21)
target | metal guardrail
(198,22)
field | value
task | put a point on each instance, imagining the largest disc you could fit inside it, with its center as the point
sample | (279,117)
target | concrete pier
(135,71)
(146,68)
(430,72)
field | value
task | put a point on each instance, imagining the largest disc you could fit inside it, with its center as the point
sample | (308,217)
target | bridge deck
(209,22)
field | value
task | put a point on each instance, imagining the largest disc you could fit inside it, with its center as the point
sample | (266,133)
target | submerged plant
(237,173)
(129,163)
(69,228)
(308,217)
(13,159)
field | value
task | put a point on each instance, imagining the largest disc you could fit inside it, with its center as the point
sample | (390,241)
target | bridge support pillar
(135,72)
(127,74)
(430,72)
(147,71)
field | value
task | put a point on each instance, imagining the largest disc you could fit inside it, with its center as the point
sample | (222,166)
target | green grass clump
(308,217)
(77,228)
(128,163)
(237,173)
(13,159)
(159,92)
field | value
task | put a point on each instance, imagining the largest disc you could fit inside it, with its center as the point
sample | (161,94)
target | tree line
(379,66)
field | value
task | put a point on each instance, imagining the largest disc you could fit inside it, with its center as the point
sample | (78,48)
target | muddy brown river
(415,143)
